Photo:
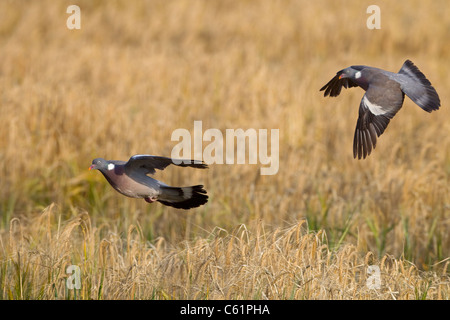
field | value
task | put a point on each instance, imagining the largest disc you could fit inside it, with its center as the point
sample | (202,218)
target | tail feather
(183,197)
(418,88)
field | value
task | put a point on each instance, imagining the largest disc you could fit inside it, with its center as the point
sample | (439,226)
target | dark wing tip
(368,128)
(198,164)
(366,133)
(151,163)
(334,86)
(364,142)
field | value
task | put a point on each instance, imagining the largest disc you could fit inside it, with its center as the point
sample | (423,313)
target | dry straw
(250,262)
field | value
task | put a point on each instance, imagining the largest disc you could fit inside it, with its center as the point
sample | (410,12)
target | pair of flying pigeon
(385,92)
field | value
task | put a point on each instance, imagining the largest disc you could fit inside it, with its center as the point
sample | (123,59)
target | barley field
(135,72)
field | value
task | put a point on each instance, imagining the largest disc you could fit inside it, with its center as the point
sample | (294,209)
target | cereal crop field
(136,72)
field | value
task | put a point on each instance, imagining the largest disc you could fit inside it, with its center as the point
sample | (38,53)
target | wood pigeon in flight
(385,92)
(131,179)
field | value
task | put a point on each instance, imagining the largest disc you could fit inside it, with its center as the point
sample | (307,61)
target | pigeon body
(385,93)
(131,179)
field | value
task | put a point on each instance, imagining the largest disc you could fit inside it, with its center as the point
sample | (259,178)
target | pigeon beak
(342,76)
(92,167)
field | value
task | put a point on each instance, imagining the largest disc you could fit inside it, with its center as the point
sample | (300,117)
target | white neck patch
(358,75)
(110,166)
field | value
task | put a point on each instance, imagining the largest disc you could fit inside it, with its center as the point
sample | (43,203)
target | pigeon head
(350,72)
(101,164)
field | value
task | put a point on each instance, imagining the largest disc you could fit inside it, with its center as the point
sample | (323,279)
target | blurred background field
(137,71)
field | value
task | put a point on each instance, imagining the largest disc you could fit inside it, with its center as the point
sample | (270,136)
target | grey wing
(149,163)
(334,86)
(372,121)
